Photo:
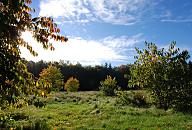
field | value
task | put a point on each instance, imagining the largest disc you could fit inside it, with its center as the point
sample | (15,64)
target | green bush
(20,103)
(183,101)
(124,98)
(108,86)
(72,85)
(134,98)
(140,99)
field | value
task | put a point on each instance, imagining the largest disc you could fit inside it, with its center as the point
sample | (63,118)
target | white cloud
(122,41)
(87,52)
(123,12)
(177,20)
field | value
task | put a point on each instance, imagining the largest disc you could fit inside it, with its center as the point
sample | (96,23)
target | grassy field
(91,110)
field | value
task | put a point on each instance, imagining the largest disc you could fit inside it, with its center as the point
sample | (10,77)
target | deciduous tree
(15,18)
(165,73)
(51,79)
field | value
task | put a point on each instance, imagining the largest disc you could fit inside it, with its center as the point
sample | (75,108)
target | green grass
(91,110)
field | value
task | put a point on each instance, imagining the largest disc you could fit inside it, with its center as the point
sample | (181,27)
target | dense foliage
(108,86)
(89,77)
(136,98)
(72,85)
(15,18)
(166,73)
(50,79)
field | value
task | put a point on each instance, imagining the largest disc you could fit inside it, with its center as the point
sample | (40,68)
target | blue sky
(102,31)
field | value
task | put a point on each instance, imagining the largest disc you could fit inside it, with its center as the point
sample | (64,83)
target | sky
(107,31)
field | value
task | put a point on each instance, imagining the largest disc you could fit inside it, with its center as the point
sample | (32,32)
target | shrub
(108,86)
(139,99)
(124,98)
(20,103)
(134,98)
(72,85)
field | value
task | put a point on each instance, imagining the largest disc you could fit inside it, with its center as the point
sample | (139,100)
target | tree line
(88,76)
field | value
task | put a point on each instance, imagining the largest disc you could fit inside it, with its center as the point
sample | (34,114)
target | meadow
(92,110)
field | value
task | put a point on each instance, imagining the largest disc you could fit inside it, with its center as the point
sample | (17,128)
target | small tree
(108,86)
(72,85)
(165,74)
(51,79)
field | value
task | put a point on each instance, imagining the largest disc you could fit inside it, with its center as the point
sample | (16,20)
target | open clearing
(91,110)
